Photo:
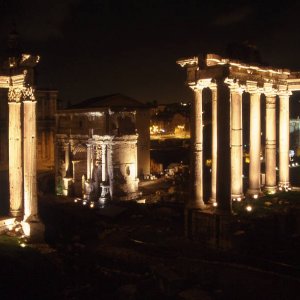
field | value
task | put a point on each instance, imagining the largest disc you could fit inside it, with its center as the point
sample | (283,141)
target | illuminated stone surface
(236,140)
(256,80)
(270,147)
(284,139)
(214,143)
(15,152)
(255,139)
(105,144)
(29,150)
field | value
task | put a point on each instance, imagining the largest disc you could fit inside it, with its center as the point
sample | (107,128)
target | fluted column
(284,140)
(196,200)
(103,163)
(29,150)
(255,140)
(214,144)
(270,147)
(15,152)
(236,141)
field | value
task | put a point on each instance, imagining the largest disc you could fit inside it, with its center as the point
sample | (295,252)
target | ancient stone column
(255,140)
(67,157)
(103,163)
(224,151)
(92,162)
(270,147)
(236,141)
(29,150)
(196,200)
(15,152)
(88,162)
(214,144)
(284,140)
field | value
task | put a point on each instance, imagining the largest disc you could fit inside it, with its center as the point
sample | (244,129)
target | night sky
(95,47)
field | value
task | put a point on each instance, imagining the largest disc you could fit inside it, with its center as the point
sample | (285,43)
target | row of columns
(22,179)
(236,142)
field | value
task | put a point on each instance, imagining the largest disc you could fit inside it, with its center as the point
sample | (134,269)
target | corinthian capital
(14,94)
(269,90)
(28,94)
(283,91)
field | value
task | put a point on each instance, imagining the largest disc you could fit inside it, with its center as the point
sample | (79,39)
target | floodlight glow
(249,208)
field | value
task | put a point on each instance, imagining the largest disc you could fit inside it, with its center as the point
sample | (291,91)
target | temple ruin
(18,80)
(229,81)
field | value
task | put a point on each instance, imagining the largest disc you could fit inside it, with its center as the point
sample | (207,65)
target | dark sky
(96,47)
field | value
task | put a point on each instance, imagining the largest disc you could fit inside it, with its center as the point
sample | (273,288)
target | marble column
(88,162)
(196,200)
(284,140)
(67,157)
(214,144)
(103,163)
(270,147)
(15,152)
(92,162)
(236,141)
(29,150)
(255,142)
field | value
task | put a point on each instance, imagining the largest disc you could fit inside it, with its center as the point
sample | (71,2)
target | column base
(67,185)
(15,213)
(237,197)
(34,231)
(284,186)
(270,189)
(212,202)
(254,193)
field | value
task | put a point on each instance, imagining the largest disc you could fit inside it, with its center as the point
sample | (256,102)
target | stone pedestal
(67,186)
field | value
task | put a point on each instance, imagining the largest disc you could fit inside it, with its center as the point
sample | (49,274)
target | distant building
(170,121)
(295,135)
(102,145)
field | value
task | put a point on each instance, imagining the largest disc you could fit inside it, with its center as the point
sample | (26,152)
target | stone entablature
(229,80)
